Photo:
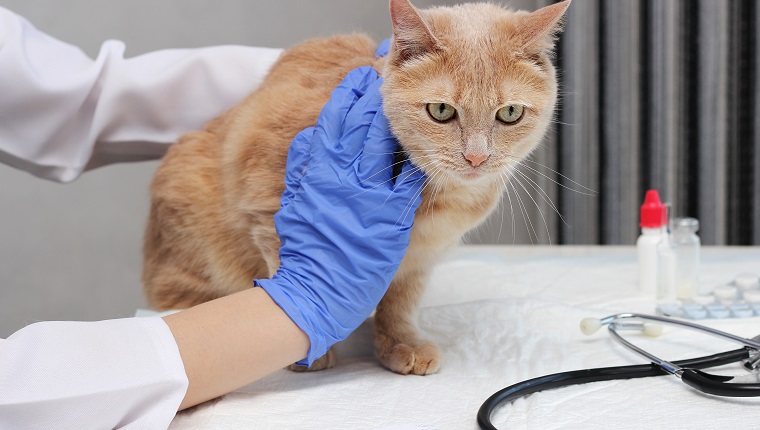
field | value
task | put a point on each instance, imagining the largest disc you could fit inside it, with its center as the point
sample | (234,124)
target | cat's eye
(441,112)
(510,114)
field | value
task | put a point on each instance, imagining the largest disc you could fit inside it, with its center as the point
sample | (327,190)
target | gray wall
(72,252)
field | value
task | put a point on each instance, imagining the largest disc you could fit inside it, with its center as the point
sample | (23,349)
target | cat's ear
(539,29)
(411,34)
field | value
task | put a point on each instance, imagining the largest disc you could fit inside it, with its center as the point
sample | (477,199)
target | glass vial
(666,270)
(685,244)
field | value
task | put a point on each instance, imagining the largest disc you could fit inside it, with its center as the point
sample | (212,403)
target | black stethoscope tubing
(564,379)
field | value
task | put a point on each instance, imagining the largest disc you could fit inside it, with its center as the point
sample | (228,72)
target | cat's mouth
(470,174)
(473,174)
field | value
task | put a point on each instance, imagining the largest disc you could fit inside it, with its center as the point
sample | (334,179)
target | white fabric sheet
(502,315)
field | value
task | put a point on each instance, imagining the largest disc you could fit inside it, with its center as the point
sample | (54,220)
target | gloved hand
(344,221)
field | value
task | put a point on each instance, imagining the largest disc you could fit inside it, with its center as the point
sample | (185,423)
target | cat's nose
(476,159)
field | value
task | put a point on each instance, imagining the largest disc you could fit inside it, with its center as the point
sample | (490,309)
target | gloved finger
(329,126)
(410,181)
(375,166)
(357,124)
(295,166)
(383,48)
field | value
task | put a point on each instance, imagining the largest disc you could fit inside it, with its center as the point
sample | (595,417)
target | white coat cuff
(125,373)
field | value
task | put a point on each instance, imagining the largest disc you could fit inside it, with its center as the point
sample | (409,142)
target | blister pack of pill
(739,298)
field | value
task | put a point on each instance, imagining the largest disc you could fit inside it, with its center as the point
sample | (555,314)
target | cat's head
(470,90)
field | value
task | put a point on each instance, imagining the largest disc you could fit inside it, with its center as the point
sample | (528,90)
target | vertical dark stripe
(690,159)
(747,91)
(645,96)
(735,127)
(755,178)
(742,90)
(561,166)
(604,167)
(733,115)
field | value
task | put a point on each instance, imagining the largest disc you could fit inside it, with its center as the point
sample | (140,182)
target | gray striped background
(655,94)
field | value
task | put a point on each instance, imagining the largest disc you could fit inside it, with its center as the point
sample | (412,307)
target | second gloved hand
(345,221)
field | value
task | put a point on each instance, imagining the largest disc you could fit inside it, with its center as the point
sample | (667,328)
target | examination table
(503,314)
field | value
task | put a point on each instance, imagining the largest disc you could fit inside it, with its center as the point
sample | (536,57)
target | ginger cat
(469,91)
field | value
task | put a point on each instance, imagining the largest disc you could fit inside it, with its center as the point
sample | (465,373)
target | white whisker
(543,194)
(501,223)
(546,225)
(415,169)
(524,211)
(408,209)
(525,160)
(391,166)
(511,209)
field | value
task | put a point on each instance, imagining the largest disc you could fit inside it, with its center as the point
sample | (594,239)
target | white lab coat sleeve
(124,373)
(62,112)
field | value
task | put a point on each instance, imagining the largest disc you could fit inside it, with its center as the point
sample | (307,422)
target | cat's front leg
(324,362)
(397,342)
(264,237)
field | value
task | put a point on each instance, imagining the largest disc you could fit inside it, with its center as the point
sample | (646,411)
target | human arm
(232,341)
(62,113)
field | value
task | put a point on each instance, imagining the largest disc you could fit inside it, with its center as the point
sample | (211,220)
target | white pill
(752,296)
(725,292)
(747,281)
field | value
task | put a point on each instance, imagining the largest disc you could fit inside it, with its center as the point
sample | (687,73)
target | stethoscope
(686,370)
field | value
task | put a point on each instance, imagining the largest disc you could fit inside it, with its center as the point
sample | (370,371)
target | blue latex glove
(345,222)
(383,47)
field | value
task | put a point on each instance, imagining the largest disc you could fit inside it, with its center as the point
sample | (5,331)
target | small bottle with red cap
(653,230)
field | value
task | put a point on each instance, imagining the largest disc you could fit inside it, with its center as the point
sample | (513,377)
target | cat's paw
(421,358)
(324,362)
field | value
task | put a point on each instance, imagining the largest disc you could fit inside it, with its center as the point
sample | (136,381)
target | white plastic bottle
(653,217)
